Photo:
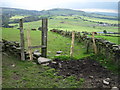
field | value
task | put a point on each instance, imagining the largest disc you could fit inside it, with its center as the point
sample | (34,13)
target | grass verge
(109,64)
(24,74)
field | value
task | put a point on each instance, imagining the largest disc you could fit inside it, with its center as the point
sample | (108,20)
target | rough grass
(109,64)
(26,74)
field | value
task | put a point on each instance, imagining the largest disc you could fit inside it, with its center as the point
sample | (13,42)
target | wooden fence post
(29,44)
(87,46)
(44,37)
(22,40)
(72,44)
(79,37)
(94,45)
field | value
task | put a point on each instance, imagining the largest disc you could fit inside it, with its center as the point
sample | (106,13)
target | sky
(49,4)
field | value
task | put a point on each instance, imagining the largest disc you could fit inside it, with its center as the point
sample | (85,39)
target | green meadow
(18,17)
(55,42)
(100,20)
(111,39)
(28,74)
(70,23)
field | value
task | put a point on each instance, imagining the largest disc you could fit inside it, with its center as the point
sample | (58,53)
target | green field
(18,17)
(73,23)
(111,39)
(27,74)
(70,24)
(55,42)
(108,38)
(100,20)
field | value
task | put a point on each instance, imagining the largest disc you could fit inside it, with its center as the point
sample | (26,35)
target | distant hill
(56,11)
(108,14)
(33,15)
(60,11)
(14,11)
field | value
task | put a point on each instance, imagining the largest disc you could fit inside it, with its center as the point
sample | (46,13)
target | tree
(5,20)
(40,28)
(104,31)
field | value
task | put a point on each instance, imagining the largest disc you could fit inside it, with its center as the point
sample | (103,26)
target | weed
(110,64)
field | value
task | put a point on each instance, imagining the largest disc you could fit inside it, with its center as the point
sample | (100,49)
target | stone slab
(42,60)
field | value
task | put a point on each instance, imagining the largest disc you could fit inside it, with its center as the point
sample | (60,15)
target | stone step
(42,60)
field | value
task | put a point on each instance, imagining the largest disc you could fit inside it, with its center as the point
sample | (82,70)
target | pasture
(18,17)
(70,23)
(100,20)
(111,39)
(55,42)
(81,65)
(73,23)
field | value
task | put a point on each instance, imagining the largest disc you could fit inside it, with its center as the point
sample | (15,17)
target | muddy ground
(95,75)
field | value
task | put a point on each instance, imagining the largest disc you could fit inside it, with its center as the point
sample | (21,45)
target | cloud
(44,4)
(31,4)
(99,10)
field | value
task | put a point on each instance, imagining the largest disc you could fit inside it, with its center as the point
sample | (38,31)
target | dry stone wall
(15,49)
(109,49)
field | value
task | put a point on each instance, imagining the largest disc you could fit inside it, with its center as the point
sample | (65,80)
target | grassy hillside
(37,76)
(101,20)
(75,23)
(71,23)
(17,17)
(64,19)
(16,11)
(60,11)
(53,12)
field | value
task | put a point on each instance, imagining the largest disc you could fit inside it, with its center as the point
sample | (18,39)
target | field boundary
(107,48)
